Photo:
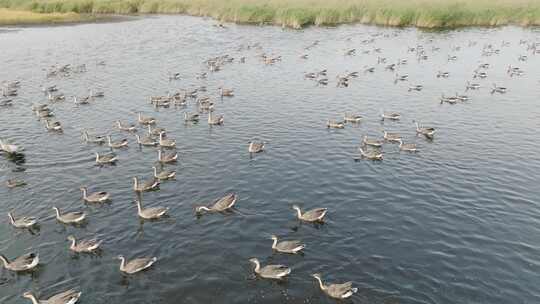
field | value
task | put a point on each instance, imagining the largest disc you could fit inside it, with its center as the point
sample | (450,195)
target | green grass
(301,13)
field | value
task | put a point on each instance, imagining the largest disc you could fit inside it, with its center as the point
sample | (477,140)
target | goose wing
(72,216)
(315,214)
(155,211)
(139,264)
(24,260)
(275,271)
(339,290)
(225,202)
(90,244)
(289,245)
(70,296)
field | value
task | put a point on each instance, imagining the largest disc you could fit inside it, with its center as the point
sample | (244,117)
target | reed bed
(13,17)
(301,13)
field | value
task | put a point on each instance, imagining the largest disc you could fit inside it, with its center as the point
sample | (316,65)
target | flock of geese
(370,148)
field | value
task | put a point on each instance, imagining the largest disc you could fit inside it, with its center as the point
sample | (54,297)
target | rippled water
(458,222)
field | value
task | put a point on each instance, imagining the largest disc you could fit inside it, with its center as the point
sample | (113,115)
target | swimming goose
(164,175)
(390,115)
(155,131)
(174,76)
(83,246)
(14,183)
(352,118)
(391,136)
(407,147)
(45,113)
(166,143)
(336,291)
(23,263)
(146,141)
(116,145)
(404,77)
(372,155)
(22,222)
(443,74)
(96,197)
(226,92)
(53,126)
(497,89)
(276,272)
(40,107)
(350,52)
(287,246)
(97,139)
(472,86)
(135,265)
(256,147)
(70,217)
(417,87)
(219,205)
(96,94)
(449,99)
(146,120)
(478,74)
(167,158)
(49,89)
(148,185)
(322,81)
(128,128)
(9,148)
(462,97)
(106,158)
(314,215)
(150,213)
(81,101)
(372,142)
(426,131)
(215,120)
(67,297)
(56,98)
(191,117)
(334,124)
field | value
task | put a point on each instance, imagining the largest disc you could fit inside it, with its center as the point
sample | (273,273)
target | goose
(452,58)
(350,52)
(155,131)
(426,131)
(478,74)
(372,142)
(443,74)
(97,94)
(7,92)
(226,92)
(148,185)
(193,117)
(417,87)
(22,222)
(67,297)
(45,113)
(219,205)
(334,124)
(322,81)
(116,145)
(53,126)
(14,183)
(390,67)
(314,215)
(352,118)
(276,272)
(166,143)
(391,136)
(483,66)
(352,75)
(167,158)
(336,291)
(256,147)
(83,246)
(106,158)
(462,97)
(287,246)
(522,58)
(164,175)
(369,69)
(97,139)
(49,89)
(215,120)
(372,155)
(146,120)
(6,102)
(146,141)
(450,99)
(174,76)
(390,115)
(9,148)
(96,197)
(310,75)
(81,101)
(407,147)
(128,128)
(25,262)
(150,213)
(56,98)
(472,86)
(497,89)
(70,217)
(135,265)
(40,107)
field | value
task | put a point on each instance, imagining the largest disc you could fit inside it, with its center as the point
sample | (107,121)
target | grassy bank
(16,17)
(300,13)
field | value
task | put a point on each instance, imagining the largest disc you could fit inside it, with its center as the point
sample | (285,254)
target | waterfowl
(25,262)
(390,67)
(167,158)
(83,246)
(462,97)
(146,141)
(483,66)
(497,89)
(96,197)
(350,52)
(334,124)
(372,142)
(56,98)
(310,75)
(150,213)
(314,215)
(49,89)
(478,74)
(22,222)
(322,81)
(67,297)
(452,58)
(522,58)
(407,147)
(97,139)
(391,136)
(45,113)
(174,76)
(9,148)
(70,217)
(226,92)
(96,94)
(14,183)
(426,131)
(40,107)
(372,155)
(276,272)
(352,118)
(166,143)
(128,128)
(106,158)
(390,115)
(116,145)
(135,265)
(369,69)
(472,86)
(443,74)
(287,246)
(148,185)
(6,102)
(53,126)
(450,99)
(193,117)
(146,120)
(336,291)
(155,131)
(256,147)
(417,87)
(215,120)
(164,175)
(81,101)
(219,205)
